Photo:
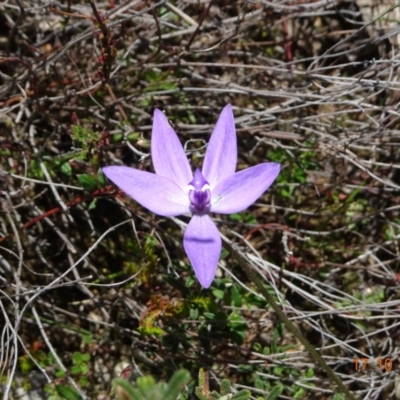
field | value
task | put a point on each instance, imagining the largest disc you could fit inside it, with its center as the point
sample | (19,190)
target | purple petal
(221,155)
(167,153)
(240,190)
(158,194)
(202,243)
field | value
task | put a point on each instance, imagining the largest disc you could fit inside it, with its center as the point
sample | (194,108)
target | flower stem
(314,354)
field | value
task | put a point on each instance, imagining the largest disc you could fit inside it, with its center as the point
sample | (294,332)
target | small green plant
(61,389)
(203,392)
(85,138)
(64,393)
(148,389)
(80,367)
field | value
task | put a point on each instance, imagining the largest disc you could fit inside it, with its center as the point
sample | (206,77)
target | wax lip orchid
(174,189)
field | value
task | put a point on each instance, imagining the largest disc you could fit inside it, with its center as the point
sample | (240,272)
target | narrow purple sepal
(202,243)
(158,194)
(238,191)
(169,158)
(221,155)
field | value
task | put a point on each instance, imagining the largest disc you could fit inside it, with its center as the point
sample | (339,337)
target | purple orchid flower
(174,190)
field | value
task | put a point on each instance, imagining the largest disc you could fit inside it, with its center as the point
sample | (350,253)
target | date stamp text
(384,364)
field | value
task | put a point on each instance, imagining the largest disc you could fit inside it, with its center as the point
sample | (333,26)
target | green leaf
(125,390)
(176,384)
(200,395)
(101,178)
(224,253)
(225,387)
(338,396)
(219,294)
(84,369)
(190,281)
(194,313)
(76,369)
(236,297)
(209,315)
(59,373)
(242,395)
(278,371)
(77,357)
(192,118)
(92,204)
(88,182)
(66,169)
(83,381)
(203,376)
(295,373)
(117,137)
(151,330)
(68,393)
(235,217)
(87,339)
(35,171)
(266,351)
(310,373)
(275,392)
(133,136)
(244,368)
(152,76)
(145,383)
(299,393)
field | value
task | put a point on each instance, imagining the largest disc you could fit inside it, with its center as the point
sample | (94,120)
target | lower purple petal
(160,195)
(202,243)
(238,191)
